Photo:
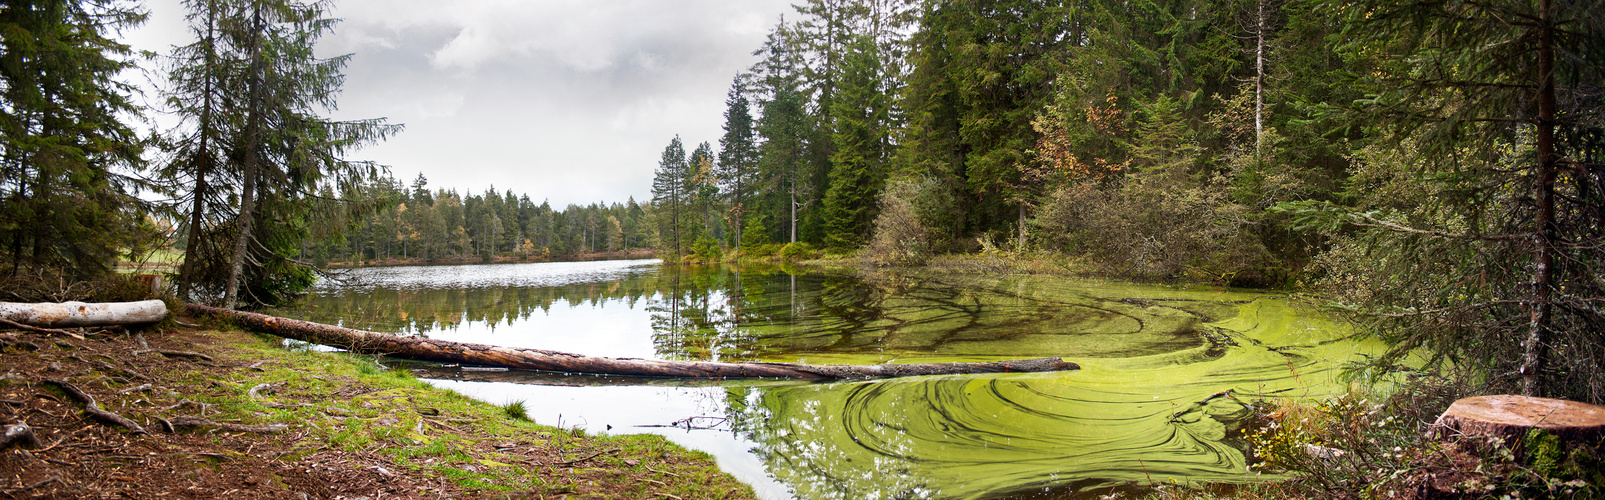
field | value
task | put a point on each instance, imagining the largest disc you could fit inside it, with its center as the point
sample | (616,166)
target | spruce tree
(702,188)
(857,166)
(669,196)
(66,158)
(1487,115)
(783,128)
(254,82)
(737,156)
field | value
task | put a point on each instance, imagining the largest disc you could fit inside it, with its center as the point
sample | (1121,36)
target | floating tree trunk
(1510,418)
(75,314)
(538,359)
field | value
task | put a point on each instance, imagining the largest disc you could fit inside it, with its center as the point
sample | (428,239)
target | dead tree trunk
(75,314)
(537,359)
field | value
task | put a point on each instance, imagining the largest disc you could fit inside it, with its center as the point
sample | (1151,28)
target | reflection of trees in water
(420,311)
(730,314)
(723,314)
(703,313)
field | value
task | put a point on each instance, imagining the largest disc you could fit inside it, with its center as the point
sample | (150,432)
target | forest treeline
(1154,139)
(414,224)
(1433,167)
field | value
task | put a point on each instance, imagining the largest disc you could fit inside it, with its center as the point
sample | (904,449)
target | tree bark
(75,314)
(537,359)
(203,159)
(248,165)
(1536,344)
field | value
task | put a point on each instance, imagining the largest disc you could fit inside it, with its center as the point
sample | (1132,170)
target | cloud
(571,100)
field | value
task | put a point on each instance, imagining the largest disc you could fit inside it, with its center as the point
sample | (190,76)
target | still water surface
(1149,355)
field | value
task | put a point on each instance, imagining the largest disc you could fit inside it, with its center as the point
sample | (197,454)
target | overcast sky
(571,101)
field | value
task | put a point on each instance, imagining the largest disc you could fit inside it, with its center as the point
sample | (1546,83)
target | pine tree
(1487,114)
(65,156)
(783,128)
(669,196)
(857,167)
(197,92)
(981,72)
(253,80)
(703,189)
(737,156)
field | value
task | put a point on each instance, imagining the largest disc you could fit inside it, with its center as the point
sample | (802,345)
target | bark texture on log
(539,359)
(74,314)
(1510,417)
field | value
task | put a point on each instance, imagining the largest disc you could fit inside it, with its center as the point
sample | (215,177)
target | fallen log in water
(538,359)
(74,314)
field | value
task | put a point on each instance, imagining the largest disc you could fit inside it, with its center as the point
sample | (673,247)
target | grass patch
(350,403)
(516,411)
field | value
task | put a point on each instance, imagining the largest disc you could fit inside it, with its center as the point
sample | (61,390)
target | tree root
(255,392)
(180,424)
(172,353)
(94,409)
(184,403)
(110,368)
(34,486)
(18,343)
(587,457)
(20,435)
(19,326)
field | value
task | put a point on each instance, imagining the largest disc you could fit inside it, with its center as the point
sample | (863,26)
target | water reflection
(1138,411)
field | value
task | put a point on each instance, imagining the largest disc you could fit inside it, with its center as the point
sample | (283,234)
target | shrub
(707,250)
(1148,228)
(764,250)
(755,236)
(900,238)
(516,410)
(798,251)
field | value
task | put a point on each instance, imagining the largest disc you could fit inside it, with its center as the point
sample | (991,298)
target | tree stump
(1510,418)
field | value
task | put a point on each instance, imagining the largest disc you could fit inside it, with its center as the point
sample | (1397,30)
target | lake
(1139,411)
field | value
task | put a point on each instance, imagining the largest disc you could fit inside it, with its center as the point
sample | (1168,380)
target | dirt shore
(218,413)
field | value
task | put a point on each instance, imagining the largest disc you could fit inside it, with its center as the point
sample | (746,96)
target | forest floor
(217,412)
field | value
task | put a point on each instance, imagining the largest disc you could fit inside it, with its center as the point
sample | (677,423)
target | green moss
(1544,452)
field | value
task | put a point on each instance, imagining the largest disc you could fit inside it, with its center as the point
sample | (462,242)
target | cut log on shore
(75,314)
(366,342)
(1509,418)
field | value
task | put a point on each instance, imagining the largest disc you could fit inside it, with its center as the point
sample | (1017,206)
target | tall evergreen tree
(1488,116)
(66,187)
(260,53)
(784,128)
(669,195)
(982,71)
(738,155)
(198,94)
(703,190)
(857,167)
